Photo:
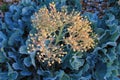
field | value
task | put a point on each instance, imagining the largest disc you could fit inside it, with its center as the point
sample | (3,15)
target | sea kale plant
(41,40)
(56,29)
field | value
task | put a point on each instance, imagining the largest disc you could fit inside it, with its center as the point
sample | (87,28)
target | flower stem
(59,36)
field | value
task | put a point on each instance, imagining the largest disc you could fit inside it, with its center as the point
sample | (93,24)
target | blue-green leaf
(3,39)
(17,66)
(12,75)
(25,73)
(16,36)
(101,70)
(12,55)
(32,56)
(62,76)
(26,2)
(118,48)
(76,63)
(27,61)
(23,49)
(2,57)
(3,76)
(113,44)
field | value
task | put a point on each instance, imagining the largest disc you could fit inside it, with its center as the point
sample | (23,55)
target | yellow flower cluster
(79,31)
(45,53)
(47,22)
(51,54)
